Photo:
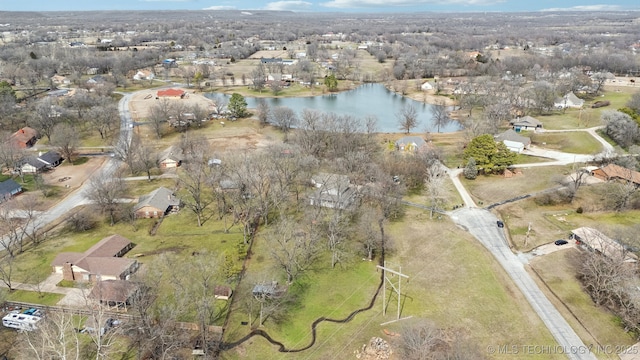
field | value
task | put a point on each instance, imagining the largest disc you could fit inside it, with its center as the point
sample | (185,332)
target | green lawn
(453,281)
(577,142)
(33,297)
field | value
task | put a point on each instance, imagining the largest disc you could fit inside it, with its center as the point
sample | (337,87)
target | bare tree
(56,337)
(263,112)
(7,265)
(436,190)
(104,118)
(105,190)
(158,115)
(66,139)
(194,179)
(145,158)
(294,249)
(440,115)
(9,153)
(284,118)
(407,118)
(46,116)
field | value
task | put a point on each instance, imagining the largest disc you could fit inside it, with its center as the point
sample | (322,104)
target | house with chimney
(24,138)
(103,261)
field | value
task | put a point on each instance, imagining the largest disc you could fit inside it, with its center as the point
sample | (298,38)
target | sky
(324,5)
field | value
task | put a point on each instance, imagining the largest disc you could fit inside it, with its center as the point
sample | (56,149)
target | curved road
(482,224)
(78,196)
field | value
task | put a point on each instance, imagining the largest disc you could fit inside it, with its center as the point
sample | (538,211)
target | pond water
(365,100)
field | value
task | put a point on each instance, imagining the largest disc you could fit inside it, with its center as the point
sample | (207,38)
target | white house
(568,101)
(144,75)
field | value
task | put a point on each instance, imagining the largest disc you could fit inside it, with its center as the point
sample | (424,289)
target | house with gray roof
(333,191)
(513,140)
(8,189)
(158,203)
(171,157)
(570,100)
(525,123)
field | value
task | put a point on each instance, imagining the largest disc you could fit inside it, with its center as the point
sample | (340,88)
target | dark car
(500,224)
(561,242)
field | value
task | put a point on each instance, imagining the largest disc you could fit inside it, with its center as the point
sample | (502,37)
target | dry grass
(489,189)
(593,324)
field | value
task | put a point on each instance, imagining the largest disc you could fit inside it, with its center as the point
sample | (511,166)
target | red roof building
(171,93)
(25,137)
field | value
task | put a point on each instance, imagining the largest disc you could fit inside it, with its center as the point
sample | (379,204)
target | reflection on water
(365,100)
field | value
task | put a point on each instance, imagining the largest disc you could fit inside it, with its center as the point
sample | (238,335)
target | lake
(368,99)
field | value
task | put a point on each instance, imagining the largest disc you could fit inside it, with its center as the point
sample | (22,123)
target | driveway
(482,225)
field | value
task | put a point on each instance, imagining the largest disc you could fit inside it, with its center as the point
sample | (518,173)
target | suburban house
(594,240)
(171,157)
(8,189)
(103,261)
(613,172)
(143,75)
(31,165)
(51,159)
(114,293)
(513,140)
(334,191)
(34,165)
(568,101)
(171,93)
(158,203)
(410,143)
(428,86)
(525,123)
(24,138)
(270,290)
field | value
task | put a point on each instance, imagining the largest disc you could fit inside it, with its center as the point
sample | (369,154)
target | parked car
(561,242)
(500,224)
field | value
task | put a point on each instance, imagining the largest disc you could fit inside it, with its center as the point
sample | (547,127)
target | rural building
(8,189)
(114,293)
(410,143)
(159,203)
(221,292)
(171,93)
(513,141)
(24,138)
(525,123)
(594,240)
(171,157)
(268,290)
(613,172)
(568,101)
(428,86)
(103,261)
(334,191)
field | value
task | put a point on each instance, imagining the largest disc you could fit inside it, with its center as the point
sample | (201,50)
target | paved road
(78,196)
(482,224)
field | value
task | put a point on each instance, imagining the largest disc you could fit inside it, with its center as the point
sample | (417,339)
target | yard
(453,281)
(595,325)
(575,142)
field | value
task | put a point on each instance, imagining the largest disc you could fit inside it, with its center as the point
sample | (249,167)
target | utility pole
(385,269)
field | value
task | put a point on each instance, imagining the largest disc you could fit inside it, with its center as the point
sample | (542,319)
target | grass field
(595,325)
(453,281)
(33,297)
(576,142)
(490,189)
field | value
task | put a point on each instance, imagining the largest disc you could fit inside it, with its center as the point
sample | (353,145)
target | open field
(575,142)
(489,189)
(593,324)
(453,281)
